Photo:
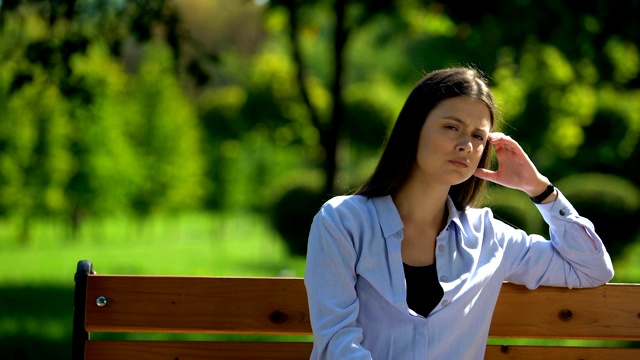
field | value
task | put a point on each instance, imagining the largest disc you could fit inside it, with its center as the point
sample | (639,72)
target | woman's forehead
(464,110)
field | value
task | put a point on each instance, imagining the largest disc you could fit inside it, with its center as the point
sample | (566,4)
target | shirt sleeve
(330,280)
(575,257)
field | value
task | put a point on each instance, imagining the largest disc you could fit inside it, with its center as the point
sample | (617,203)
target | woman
(406,268)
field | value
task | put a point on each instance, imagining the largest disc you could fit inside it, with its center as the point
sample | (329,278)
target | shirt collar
(388,215)
(454,215)
(390,220)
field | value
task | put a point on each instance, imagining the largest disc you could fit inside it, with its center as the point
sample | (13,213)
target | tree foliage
(160,105)
(565,74)
(79,135)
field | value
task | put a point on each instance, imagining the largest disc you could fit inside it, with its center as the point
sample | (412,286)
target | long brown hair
(399,154)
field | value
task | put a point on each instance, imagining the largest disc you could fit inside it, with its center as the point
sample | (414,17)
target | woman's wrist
(542,192)
(551,198)
(545,196)
(538,188)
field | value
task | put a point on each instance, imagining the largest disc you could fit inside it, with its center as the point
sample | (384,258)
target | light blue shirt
(356,286)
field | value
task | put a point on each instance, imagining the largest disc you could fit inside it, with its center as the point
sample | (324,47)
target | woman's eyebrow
(458,120)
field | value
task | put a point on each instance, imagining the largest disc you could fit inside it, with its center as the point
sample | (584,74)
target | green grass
(36,281)
(195,244)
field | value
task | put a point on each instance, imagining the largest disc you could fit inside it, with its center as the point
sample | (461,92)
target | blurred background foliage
(147,108)
(161,106)
(164,106)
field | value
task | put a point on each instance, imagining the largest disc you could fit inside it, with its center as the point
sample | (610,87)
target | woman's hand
(515,169)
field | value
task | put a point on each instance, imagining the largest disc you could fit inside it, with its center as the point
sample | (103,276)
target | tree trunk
(337,113)
(330,132)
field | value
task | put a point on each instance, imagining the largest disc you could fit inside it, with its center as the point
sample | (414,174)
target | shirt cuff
(558,210)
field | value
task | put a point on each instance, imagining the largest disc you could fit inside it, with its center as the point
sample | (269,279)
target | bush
(292,215)
(514,208)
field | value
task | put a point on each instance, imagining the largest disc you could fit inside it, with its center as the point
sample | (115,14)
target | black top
(423,288)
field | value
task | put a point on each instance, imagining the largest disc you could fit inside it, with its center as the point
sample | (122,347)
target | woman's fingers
(502,141)
(486,174)
(515,169)
(499,137)
(507,149)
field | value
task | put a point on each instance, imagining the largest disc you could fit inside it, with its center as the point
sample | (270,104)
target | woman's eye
(479,137)
(451,127)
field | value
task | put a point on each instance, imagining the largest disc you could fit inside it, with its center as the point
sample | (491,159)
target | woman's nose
(465,145)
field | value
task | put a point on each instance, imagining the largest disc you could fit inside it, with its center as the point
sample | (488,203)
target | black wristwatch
(545,194)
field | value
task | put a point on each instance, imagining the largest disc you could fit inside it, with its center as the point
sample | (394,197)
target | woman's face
(452,140)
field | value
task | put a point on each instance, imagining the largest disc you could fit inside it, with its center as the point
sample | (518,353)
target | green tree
(567,75)
(328,120)
(354,63)
(81,133)
(138,140)
(566,72)
(165,131)
(36,162)
(35,130)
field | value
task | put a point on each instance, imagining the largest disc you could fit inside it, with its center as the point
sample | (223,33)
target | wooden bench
(278,306)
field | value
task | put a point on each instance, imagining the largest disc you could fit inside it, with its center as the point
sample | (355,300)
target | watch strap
(545,194)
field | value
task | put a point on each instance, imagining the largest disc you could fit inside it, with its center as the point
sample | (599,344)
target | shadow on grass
(35,322)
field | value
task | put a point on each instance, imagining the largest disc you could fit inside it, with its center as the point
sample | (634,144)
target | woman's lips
(459,163)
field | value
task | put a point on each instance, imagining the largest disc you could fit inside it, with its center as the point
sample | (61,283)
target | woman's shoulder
(478,212)
(480,216)
(346,211)
(359,211)
(483,220)
(346,204)
(356,209)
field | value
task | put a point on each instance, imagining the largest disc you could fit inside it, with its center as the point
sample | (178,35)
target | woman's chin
(459,179)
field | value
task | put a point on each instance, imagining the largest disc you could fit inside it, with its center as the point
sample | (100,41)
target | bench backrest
(278,306)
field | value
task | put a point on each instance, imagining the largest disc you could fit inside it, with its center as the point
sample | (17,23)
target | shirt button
(562,212)
(443,278)
(444,302)
(441,248)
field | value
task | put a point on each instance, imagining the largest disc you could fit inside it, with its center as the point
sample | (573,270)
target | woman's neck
(420,202)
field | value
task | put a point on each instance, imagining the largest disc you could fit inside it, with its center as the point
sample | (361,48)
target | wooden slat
(511,352)
(279,306)
(198,350)
(608,312)
(197,304)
